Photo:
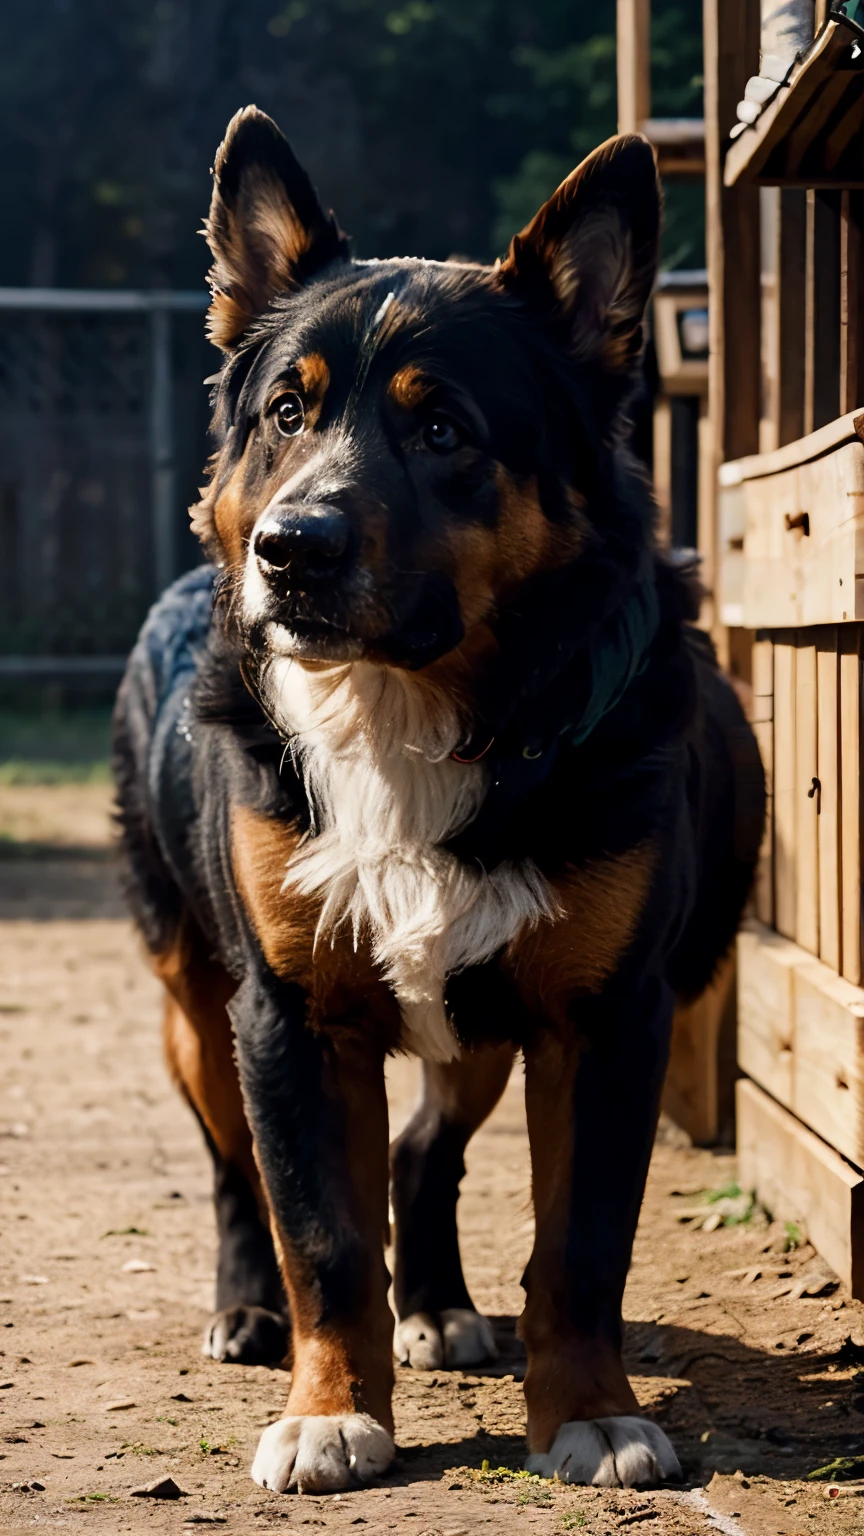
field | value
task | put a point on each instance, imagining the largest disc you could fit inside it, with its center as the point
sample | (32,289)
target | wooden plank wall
(807,715)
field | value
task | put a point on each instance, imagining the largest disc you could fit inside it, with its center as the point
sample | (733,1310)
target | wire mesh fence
(102,441)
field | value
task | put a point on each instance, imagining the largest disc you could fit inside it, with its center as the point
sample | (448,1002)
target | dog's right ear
(266,228)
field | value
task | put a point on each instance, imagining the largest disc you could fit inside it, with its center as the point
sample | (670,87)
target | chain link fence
(103,418)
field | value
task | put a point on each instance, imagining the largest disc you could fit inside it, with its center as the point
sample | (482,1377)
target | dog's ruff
(618,1452)
(373,745)
(318,1453)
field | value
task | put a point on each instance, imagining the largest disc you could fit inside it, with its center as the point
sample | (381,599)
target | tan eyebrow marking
(409,387)
(314,375)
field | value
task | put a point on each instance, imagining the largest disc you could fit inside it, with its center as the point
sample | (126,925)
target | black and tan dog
(429,759)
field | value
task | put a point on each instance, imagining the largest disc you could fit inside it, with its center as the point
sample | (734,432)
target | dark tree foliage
(432,126)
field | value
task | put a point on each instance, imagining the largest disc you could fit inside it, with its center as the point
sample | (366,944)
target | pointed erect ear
(266,227)
(589,257)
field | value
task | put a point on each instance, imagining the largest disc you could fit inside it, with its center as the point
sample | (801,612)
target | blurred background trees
(432,126)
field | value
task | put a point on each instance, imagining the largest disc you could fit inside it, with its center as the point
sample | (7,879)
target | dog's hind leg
(250,1325)
(438,1324)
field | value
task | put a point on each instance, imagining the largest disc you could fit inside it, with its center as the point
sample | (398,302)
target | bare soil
(102,1385)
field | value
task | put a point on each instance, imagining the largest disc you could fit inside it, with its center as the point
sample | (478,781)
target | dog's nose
(310,544)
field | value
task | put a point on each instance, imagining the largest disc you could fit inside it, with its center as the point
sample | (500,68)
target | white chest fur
(374,747)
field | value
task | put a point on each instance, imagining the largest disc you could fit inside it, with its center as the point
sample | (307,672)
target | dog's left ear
(266,228)
(589,257)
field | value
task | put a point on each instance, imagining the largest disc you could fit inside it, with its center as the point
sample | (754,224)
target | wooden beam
(828,770)
(799,1178)
(748,155)
(801,1037)
(851,822)
(851,300)
(634,64)
(785,862)
(692,1096)
(731,34)
(806,795)
(783,215)
(762,719)
(791,237)
(822,310)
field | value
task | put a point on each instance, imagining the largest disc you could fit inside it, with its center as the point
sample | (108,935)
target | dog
(429,757)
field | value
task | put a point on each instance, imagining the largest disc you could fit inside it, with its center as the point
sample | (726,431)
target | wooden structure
(781,532)
(699,1091)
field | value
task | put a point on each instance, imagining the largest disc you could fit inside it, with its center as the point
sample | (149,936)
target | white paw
(319,1453)
(463,1338)
(468,1337)
(611,1453)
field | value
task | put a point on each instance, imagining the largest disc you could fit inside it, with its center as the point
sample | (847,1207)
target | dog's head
(409,448)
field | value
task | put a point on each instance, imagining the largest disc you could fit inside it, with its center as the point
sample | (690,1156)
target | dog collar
(462,756)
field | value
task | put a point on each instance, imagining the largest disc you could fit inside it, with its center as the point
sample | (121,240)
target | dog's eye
(442,434)
(290,415)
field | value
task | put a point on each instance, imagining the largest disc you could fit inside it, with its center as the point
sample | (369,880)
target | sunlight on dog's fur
(374,748)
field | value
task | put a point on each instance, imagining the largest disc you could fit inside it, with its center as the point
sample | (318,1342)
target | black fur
(612,728)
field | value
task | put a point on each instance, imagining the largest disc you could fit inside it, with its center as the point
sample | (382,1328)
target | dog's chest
(379,864)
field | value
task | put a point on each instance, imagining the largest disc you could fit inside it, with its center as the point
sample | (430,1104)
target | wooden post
(785,862)
(762,719)
(806,792)
(822,310)
(634,64)
(731,33)
(851,301)
(663,469)
(828,753)
(851,821)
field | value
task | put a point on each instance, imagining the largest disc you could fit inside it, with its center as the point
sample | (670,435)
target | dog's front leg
(592,1100)
(318,1110)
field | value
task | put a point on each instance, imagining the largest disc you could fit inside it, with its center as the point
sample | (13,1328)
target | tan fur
(490,563)
(286,925)
(199,1047)
(601,906)
(315,377)
(349,1368)
(409,387)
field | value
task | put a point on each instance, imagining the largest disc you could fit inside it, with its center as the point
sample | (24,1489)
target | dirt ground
(106,1276)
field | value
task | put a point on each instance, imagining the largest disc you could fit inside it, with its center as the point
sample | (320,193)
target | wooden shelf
(680,144)
(810,133)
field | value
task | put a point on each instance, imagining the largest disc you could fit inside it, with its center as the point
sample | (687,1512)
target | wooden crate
(803,516)
(806,712)
(800,1178)
(801,1036)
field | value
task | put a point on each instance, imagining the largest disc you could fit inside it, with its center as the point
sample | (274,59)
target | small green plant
(842,1469)
(574,1520)
(137,1448)
(93,1498)
(164,1418)
(126,1232)
(794,1237)
(490,1474)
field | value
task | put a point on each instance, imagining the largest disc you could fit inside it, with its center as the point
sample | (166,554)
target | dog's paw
(610,1453)
(246,1336)
(322,1454)
(459,1337)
